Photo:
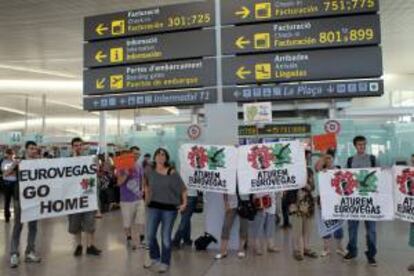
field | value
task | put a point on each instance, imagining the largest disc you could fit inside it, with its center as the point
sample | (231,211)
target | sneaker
(78,251)
(162,268)
(349,257)
(411,268)
(325,253)
(311,254)
(31,257)
(92,250)
(241,255)
(273,249)
(150,263)
(14,261)
(371,260)
(341,252)
(220,256)
(142,238)
(129,243)
(259,252)
(298,256)
(188,243)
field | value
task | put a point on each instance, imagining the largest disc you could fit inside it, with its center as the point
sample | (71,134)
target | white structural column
(26,116)
(43,115)
(102,132)
(221,128)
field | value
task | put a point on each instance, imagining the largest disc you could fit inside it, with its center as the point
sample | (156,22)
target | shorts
(133,213)
(82,222)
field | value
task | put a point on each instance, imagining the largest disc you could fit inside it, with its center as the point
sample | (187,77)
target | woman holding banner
(301,209)
(263,226)
(326,162)
(165,194)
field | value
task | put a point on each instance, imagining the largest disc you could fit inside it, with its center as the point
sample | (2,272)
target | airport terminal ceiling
(41,53)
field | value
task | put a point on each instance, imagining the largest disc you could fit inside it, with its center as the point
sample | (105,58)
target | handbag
(246,208)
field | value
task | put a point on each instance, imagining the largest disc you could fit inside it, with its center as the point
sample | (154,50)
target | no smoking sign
(333,126)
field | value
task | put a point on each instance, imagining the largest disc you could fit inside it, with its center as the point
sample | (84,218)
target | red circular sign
(194,132)
(333,126)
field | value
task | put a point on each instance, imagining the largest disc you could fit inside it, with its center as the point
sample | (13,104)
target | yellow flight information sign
(328,64)
(151,76)
(150,20)
(149,48)
(248,11)
(303,34)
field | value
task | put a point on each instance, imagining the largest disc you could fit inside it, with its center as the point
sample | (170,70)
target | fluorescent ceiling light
(54,85)
(37,71)
(63,123)
(16,111)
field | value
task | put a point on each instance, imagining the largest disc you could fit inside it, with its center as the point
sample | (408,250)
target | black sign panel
(303,34)
(275,130)
(361,62)
(151,20)
(154,76)
(248,11)
(151,48)
(164,98)
(308,91)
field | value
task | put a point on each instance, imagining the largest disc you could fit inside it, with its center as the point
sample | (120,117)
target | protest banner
(57,187)
(209,168)
(403,180)
(272,167)
(357,194)
(327,227)
(124,162)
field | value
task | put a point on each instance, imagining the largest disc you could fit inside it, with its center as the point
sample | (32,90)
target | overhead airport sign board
(303,34)
(250,11)
(150,20)
(308,91)
(287,129)
(153,76)
(361,62)
(268,46)
(162,98)
(144,49)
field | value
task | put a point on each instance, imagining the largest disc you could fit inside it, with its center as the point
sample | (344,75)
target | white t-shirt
(272,209)
(5,165)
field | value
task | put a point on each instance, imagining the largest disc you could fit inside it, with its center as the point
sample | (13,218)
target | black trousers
(9,188)
(285,211)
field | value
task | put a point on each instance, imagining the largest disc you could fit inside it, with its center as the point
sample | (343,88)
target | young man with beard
(82,222)
(30,254)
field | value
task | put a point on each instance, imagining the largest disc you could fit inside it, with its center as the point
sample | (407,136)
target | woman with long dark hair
(165,195)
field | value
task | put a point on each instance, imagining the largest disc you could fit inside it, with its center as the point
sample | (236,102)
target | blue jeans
(184,229)
(371,236)
(166,219)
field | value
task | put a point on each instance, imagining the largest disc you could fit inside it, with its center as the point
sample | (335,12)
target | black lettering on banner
(68,204)
(57,172)
(84,202)
(45,207)
(31,192)
(58,206)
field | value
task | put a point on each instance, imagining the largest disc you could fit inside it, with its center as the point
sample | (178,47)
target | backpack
(371,157)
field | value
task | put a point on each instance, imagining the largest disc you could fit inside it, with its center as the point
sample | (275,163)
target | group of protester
(152,194)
